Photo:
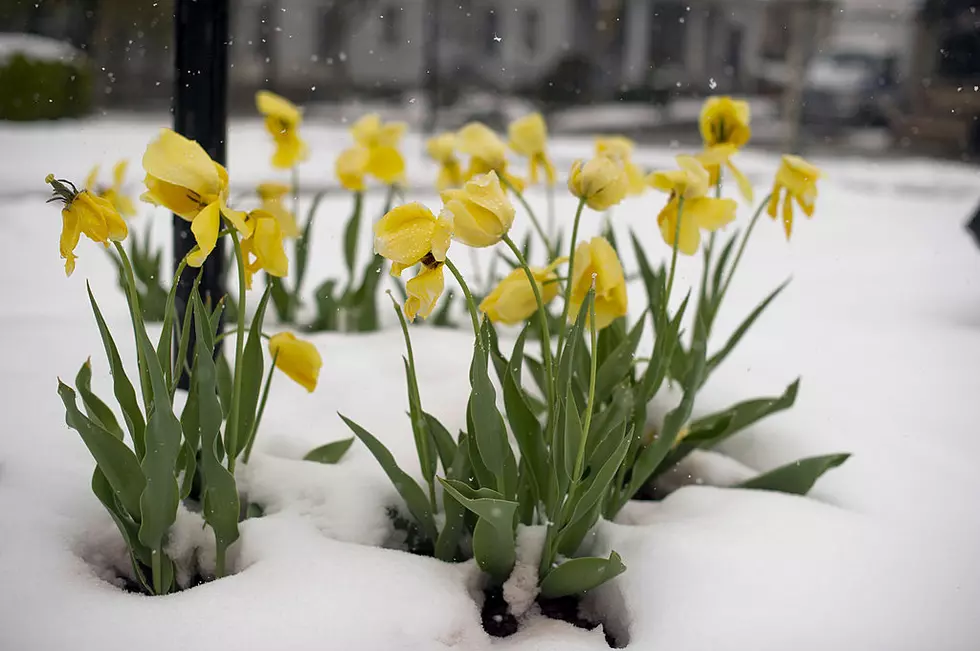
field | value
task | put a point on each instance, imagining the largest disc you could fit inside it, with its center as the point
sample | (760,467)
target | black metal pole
(200,110)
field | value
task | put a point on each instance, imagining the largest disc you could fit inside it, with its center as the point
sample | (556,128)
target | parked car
(850,87)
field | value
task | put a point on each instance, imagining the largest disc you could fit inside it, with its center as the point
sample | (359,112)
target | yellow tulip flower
(713,158)
(84,213)
(528,137)
(298,359)
(122,203)
(410,234)
(512,300)
(265,245)
(442,149)
(273,201)
(725,121)
(597,260)
(620,149)
(690,183)
(282,120)
(351,167)
(487,153)
(424,291)
(381,140)
(181,177)
(796,180)
(480,210)
(602,182)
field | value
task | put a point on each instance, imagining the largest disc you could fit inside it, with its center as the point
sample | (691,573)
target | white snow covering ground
(881,320)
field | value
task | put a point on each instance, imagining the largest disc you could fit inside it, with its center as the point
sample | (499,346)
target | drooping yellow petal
(286,219)
(709,213)
(238,218)
(688,237)
(407,233)
(596,261)
(119,174)
(116,228)
(298,359)
(172,197)
(290,151)
(70,233)
(424,291)
(268,244)
(513,300)
(272,105)
(788,214)
(744,187)
(351,166)
(174,159)
(528,135)
(272,190)
(205,227)
(92,178)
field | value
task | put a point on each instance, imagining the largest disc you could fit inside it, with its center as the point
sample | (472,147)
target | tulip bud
(597,260)
(480,210)
(602,182)
(513,300)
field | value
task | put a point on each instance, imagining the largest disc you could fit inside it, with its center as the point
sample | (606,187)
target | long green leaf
(729,346)
(97,410)
(116,461)
(617,365)
(424,445)
(579,575)
(720,267)
(573,436)
(651,280)
(329,453)
(524,424)
(447,544)
(415,498)
(445,445)
(138,554)
(351,231)
(121,386)
(798,477)
(367,295)
(587,506)
(220,492)
(158,504)
(494,539)
(190,423)
(303,248)
(489,433)
(253,368)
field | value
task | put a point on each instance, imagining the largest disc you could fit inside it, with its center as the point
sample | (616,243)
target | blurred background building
(844,73)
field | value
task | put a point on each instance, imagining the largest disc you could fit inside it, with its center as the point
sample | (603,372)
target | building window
(391,26)
(490,26)
(668,34)
(532,29)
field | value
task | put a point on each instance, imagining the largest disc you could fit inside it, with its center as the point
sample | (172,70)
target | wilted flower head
(596,261)
(796,180)
(529,138)
(84,213)
(282,120)
(688,208)
(380,140)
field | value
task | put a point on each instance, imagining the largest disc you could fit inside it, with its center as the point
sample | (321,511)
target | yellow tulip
(620,149)
(84,213)
(602,182)
(351,167)
(122,203)
(725,121)
(688,201)
(528,137)
(181,177)
(282,120)
(265,245)
(381,140)
(424,291)
(273,201)
(487,153)
(597,261)
(513,301)
(442,149)
(298,359)
(480,210)
(410,234)
(796,180)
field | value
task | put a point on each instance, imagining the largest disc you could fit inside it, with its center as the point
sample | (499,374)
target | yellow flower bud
(513,301)
(424,291)
(480,210)
(84,213)
(602,182)
(298,359)
(409,234)
(380,140)
(725,121)
(796,180)
(597,260)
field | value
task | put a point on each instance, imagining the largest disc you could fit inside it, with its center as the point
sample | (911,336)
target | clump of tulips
(190,455)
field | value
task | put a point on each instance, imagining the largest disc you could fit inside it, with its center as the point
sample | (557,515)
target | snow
(881,320)
(35,47)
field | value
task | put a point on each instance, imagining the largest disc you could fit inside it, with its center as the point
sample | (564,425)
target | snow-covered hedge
(42,79)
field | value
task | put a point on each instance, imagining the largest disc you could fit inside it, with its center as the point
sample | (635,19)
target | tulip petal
(366,129)
(710,214)
(116,228)
(176,160)
(205,227)
(299,360)
(423,292)
(269,246)
(238,218)
(270,104)
(171,197)
(70,234)
(788,214)
(405,234)
(92,178)
(386,164)
(744,187)
(119,174)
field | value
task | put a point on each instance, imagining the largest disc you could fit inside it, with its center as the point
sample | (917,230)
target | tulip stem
(470,302)
(673,259)
(295,178)
(231,429)
(741,249)
(134,310)
(258,415)
(551,214)
(543,318)
(571,268)
(534,220)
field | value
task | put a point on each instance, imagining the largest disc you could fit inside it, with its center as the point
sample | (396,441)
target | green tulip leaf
(253,369)
(329,453)
(579,575)
(494,539)
(798,477)
(96,410)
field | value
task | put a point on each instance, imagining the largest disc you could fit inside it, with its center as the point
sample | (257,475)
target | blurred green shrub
(44,90)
